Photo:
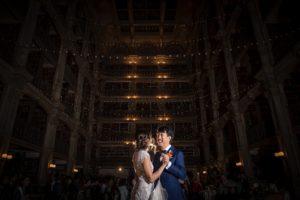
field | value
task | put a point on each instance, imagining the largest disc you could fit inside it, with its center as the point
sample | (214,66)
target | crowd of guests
(213,185)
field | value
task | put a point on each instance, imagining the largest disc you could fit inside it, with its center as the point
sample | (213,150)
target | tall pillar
(59,74)
(87,155)
(88,145)
(74,135)
(26,34)
(72,150)
(48,147)
(289,140)
(214,96)
(239,122)
(205,142)
(49,140)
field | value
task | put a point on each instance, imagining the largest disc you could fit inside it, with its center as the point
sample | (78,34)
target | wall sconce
(52,166)
(131,119)
(120,169)
(129,142)
(132,97)
(6,156)
(239,164)
(162,97)
(163,118)
(162,76)
(75,170)
(279,154)
(132,76)
(204,172)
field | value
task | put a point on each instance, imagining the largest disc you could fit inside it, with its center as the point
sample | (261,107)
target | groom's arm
(178,168)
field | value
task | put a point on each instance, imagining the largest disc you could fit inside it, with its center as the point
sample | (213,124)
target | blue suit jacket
(169,177)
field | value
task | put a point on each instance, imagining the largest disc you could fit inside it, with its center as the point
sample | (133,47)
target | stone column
(289,140)
(213,95)
(87,155)
(59,74)
(88,145)
(74,135)
(26,34)
(234,93)
(205,142)
(48,147)
(72,150)
(49,140)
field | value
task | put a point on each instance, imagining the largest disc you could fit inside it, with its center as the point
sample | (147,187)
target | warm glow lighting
(132,76)
(204,172)
(238,164)
(132,119)
(279,154)
(162,76)
(51,165)
(132,97)
(120,169)
(75,170)
(162,97)
(4,155)
(163,118)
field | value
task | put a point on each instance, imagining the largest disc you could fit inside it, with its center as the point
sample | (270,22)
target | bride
(144,176)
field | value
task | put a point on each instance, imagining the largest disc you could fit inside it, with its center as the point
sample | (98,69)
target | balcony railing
(145,113)
(148,92)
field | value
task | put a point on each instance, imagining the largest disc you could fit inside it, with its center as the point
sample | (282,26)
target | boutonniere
(170,154)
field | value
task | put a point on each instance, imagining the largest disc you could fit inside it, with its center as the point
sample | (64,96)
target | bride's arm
(150,176)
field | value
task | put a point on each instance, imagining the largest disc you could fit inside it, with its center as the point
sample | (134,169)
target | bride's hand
(165,159)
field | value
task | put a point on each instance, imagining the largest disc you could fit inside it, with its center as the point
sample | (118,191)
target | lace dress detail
(141,189)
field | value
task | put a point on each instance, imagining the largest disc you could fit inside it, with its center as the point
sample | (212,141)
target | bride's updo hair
(140,140)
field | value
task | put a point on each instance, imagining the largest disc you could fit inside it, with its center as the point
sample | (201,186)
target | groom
(175,171)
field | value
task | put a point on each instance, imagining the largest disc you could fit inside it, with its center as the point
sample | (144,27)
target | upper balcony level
(146,70)
(147,88)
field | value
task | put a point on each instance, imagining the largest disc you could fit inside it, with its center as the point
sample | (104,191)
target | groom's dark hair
(168,130)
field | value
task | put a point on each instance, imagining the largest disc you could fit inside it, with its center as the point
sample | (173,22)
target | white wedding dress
(142,189)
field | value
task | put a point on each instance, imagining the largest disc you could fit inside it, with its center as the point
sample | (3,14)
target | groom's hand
(165,159)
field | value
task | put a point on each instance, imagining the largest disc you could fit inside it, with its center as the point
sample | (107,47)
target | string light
(175,55)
